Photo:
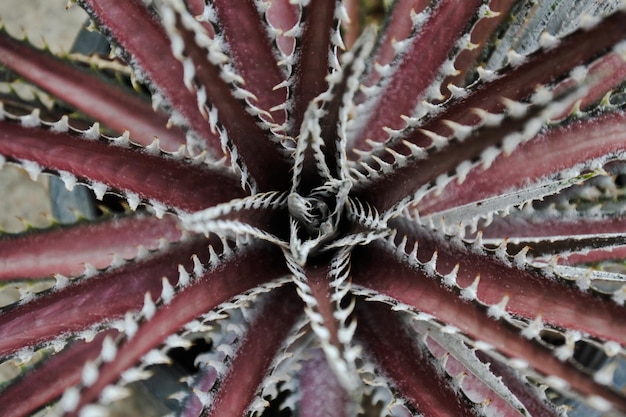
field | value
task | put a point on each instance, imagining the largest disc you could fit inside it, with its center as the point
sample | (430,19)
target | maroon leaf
(523,391)
(480,392)
(397,28)
(50,379)
(603,75)
(215,66)
(260,156)
(252,54)
(318,278)
(403,182)
(151,54)
(312,66)
(330,121)
(283,16)
(540,68)
(554,150)
(104,101)
(65,250)
(530,293)
(410,368)
(425,294)
(539,226)
(263,341)
(405,89)
(574,240)
(246,270)
(172,182)
(317,380)
(197,8)
(481,34)
(93,300)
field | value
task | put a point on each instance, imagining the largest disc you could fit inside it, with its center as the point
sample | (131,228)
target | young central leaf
(316,216)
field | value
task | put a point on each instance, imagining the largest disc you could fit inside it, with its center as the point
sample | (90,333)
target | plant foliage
(328,208)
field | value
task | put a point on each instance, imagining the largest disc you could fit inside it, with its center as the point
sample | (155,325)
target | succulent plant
(324,208)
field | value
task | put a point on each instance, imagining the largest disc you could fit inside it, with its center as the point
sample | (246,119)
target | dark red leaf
(104,101)
(173,182)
